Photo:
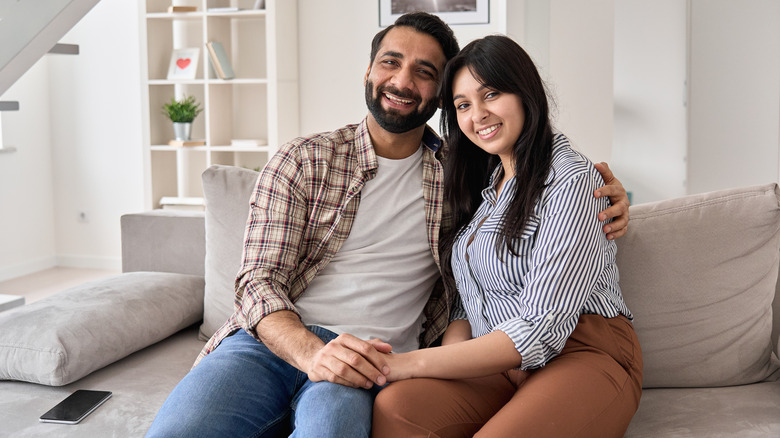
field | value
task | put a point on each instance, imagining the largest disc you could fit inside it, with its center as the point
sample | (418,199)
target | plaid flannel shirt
(302,211)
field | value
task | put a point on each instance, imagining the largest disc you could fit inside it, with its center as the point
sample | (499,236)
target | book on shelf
(172,9)
(248,142)
(220,60)
(187,143)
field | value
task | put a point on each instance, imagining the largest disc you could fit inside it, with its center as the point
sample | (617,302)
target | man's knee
(336,397)
(330,409)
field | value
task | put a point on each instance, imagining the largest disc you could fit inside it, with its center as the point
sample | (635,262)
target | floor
(41,284)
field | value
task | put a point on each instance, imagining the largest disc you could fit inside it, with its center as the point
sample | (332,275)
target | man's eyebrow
(428,64)
(400,55)
(393,54)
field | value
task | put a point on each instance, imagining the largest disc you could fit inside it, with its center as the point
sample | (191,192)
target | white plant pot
(182,130)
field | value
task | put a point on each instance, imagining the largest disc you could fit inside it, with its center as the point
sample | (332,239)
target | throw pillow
(226,191)
(64,337)
(699,274)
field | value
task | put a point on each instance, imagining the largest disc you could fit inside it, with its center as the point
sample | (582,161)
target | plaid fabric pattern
(302,211)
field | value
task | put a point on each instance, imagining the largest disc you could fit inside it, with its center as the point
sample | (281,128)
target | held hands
(619,199)
(351,361)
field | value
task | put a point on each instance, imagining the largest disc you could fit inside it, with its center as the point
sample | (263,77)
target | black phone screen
(76,406)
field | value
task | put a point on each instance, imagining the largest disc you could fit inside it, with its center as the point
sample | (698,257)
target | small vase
(182,130)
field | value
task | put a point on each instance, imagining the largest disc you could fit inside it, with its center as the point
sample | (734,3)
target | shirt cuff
(263,304)
(532,340)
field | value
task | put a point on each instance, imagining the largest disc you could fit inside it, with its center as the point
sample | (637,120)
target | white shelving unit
(261,102)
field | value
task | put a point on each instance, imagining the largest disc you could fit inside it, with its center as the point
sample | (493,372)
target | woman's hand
(489,354)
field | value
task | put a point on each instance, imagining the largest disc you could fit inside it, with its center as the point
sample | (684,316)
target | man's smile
(394,101)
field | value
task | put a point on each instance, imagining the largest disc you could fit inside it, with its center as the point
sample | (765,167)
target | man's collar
(366,154)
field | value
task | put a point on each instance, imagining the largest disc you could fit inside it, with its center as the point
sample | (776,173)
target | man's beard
(391,120)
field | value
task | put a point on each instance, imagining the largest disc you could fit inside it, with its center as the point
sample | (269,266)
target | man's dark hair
(426,23)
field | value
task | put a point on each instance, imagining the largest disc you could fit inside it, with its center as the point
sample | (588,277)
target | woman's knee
(403,398)
(438,408)
(397,409)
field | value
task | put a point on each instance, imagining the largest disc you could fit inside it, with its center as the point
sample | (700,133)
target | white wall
(96,135)
(581,53)
(650,65)
(78,140)
(26,182)
(734,94)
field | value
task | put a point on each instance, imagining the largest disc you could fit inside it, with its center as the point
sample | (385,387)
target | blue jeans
(242,389)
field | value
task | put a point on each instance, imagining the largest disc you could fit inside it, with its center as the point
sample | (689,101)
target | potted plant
(182,112)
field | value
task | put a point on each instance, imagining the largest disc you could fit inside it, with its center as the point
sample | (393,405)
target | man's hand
(345,360)
(619,209)
(350,361)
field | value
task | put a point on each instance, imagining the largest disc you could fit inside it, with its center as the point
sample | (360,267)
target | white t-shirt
(377,285)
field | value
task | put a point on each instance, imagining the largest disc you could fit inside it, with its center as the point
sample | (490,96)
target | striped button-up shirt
(302,211)
(565,265)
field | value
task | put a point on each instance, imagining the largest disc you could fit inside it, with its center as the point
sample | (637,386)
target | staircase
(28,30)
(31,28)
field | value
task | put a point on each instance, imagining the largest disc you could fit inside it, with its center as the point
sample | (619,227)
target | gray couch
(700,274)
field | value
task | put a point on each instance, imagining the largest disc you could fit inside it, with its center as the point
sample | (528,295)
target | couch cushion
(64,337)
(736,411)
(699,274)
(226,190)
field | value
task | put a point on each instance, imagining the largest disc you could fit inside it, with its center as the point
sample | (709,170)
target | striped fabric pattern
(302,211)
(565,265)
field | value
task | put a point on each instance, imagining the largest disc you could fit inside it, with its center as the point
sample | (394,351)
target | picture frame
(184,63)
(451,11)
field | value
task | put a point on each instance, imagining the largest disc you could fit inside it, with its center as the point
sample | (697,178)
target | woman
(548,348)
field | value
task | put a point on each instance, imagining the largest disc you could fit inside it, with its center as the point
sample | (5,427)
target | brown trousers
(591,389)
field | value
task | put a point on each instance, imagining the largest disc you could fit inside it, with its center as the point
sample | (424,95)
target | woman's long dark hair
(499,63)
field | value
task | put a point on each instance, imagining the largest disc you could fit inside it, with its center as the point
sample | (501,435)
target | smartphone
(75,407)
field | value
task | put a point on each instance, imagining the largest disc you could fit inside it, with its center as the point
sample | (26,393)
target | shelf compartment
(160,126)
(229,116)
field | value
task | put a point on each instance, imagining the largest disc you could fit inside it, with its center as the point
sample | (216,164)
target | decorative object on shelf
(259,4)
(172,9)
(182,112)
(184,64)
(220,60)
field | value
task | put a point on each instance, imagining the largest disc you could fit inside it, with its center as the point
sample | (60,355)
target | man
(341,250)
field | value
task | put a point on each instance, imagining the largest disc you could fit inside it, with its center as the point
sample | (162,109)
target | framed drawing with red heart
(184,64)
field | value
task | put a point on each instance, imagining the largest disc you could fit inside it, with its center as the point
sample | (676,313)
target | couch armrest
(164,241)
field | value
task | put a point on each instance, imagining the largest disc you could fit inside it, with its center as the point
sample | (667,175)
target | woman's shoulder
(567,163)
